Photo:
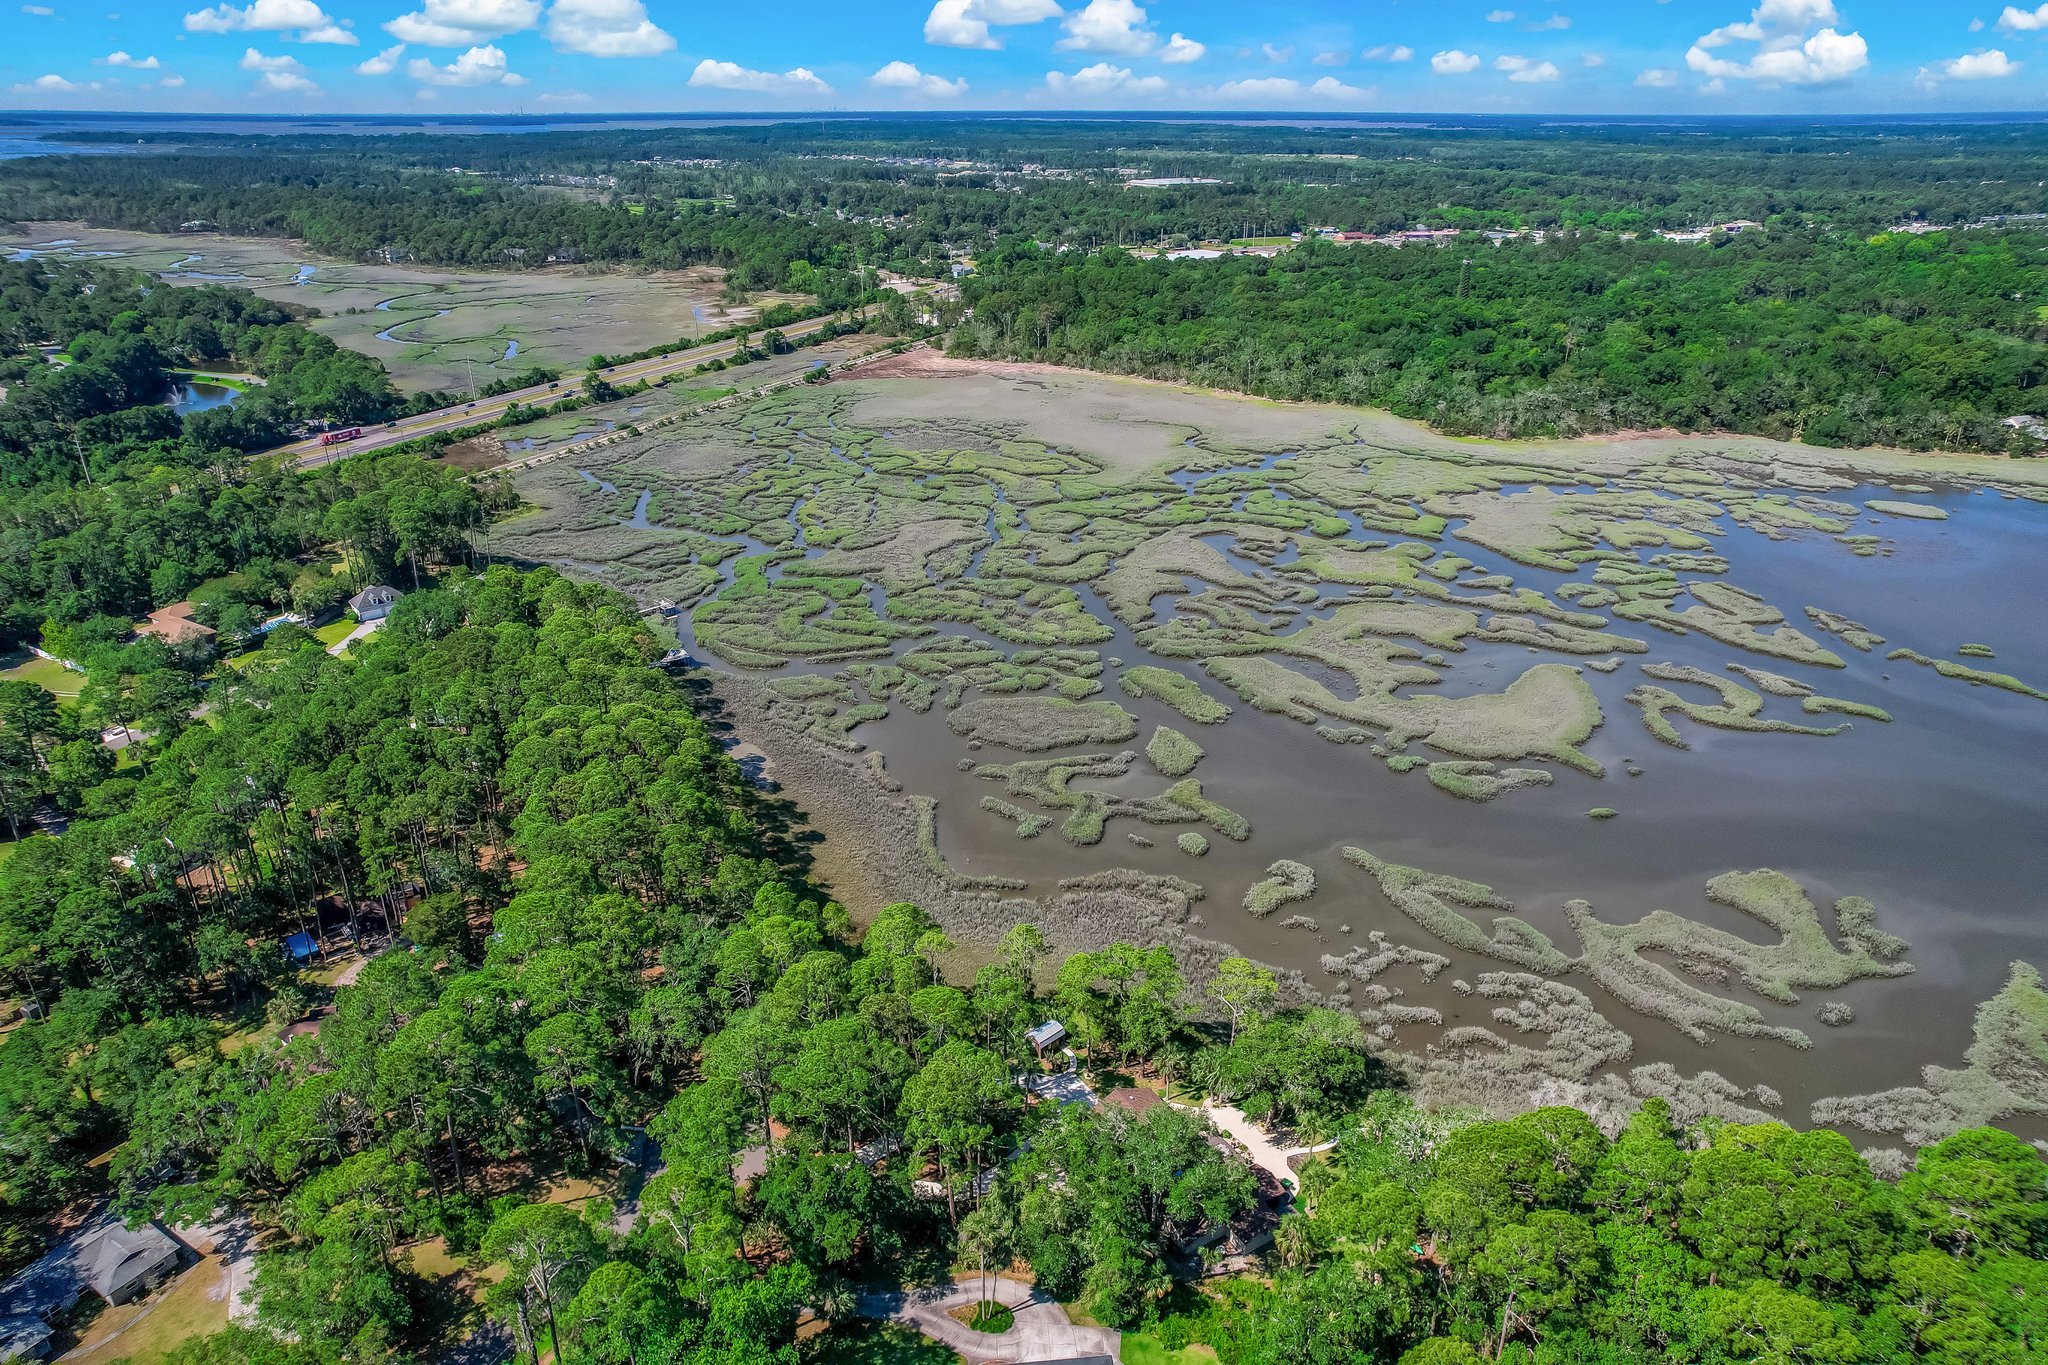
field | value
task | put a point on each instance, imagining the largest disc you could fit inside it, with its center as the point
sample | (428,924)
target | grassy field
(334,632)
(1145,1348)
(53,678)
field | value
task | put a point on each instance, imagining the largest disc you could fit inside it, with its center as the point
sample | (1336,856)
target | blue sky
(1505,56)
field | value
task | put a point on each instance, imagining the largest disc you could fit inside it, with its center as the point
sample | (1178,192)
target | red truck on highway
(335,438)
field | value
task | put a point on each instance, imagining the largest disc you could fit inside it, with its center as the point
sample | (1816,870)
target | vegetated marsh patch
(1038,723)
(1176,690)
(1965,673)
(1614,954)
(1172,752)
(2002,1074)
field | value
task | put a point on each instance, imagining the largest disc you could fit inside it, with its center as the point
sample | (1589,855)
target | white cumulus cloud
(966,23)
(1555,21)
(463,23)
(41,12)
(270,16)
(1388,52)
(252,60)
(172,82)
(478,66)
(383,64)
(1181,48)
(1593,60)
(1500,16)
(906,77)
(716,75)
(1265,89)
(1330,59)
(1527,70)
(1330,88)
(1453,62)
(1987,65)
(278,75)
(1113,26)
(52,84)
(1277,54)
(1281,91)
(1796,43)
(123,59)
(1103,78)
(606,28)
(2017,20)
(1657,78)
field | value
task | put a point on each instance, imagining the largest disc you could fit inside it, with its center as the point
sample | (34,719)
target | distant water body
(23,133)
(14,146)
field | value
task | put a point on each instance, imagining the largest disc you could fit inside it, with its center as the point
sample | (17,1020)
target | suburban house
(123,1264)
(175,627)
(24,1336)
(1132,1100)
(374,603)
(1049,1034)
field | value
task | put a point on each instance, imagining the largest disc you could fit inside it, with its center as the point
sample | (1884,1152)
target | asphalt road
(308,453)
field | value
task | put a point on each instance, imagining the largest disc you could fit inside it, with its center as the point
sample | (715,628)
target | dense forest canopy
(1860,177)
(1922,341)
(353,206)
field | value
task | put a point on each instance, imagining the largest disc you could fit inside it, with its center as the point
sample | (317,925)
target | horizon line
(1136,115)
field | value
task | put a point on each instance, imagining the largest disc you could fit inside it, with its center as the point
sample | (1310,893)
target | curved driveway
(1041,1330)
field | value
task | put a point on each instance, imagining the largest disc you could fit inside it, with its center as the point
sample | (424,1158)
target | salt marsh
(1345,633)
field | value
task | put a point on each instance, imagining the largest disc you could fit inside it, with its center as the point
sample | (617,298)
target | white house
(374,603)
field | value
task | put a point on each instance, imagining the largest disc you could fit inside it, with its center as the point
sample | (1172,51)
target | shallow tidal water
(1939,817)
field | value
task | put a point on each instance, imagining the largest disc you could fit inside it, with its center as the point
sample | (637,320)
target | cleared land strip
(309,453)
(730,400)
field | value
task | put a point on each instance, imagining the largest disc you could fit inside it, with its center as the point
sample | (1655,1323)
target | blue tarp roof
(301,945)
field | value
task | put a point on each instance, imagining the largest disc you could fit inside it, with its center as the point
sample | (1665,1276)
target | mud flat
(434,329)
(921,594)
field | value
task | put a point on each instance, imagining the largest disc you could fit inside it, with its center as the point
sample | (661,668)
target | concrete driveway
(1041,1330)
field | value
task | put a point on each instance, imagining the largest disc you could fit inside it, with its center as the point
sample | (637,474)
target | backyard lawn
(194,1304)
(1145,1348)
(53,678)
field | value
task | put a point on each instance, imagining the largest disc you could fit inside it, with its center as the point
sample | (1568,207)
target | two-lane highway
(308,453)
